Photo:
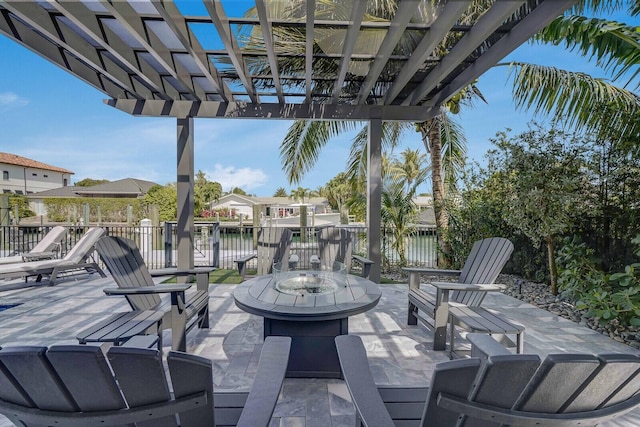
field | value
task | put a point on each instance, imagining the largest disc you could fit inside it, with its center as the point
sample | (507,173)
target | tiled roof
(13,159)
(68,191)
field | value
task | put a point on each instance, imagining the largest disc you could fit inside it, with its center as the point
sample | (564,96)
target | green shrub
(603,296)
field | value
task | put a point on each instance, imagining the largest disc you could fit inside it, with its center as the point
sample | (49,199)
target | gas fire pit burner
(320,280)
(307,284)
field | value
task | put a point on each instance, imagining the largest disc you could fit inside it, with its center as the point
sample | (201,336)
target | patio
(398,354)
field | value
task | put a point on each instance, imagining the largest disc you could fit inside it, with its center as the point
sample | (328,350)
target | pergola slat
(267,35)
(447,18)
(406,10)
(357,13)
(485,26)
(219,19)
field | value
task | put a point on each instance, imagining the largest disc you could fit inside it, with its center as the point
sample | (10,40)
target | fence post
(215,244)
(145,237)
(168,247)
(85,214)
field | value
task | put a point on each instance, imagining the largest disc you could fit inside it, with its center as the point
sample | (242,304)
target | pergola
(287,59)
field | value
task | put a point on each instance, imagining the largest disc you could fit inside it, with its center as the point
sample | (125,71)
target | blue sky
(51,116)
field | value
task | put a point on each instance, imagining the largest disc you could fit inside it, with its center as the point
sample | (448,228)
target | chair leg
(412,319)
(203,318)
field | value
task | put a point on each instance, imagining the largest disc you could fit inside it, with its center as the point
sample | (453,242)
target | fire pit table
(312,307)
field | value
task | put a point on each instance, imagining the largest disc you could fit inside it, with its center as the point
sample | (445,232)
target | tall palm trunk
(430,131)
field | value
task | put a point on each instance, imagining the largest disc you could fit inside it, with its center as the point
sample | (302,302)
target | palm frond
(574,98)
(614,45)
(454,150)
(303,143)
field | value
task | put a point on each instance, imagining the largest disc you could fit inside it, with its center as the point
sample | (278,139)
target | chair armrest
(241,262)
(158,289)
(245,258)
(431,271)
(355,368)
(201,273)
(452,286)
(483,346)
(366,265)
(180,271)
(27,257)
(267,384)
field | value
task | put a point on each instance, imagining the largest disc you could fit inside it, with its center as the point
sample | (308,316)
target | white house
(21,175)
(270,207)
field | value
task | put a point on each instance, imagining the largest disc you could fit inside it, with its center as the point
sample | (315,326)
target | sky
(48,115)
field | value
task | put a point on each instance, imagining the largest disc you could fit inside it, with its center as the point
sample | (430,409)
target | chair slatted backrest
(335,245)
(51,240)
(532,392)
(83,247)
(485,261)
(274,244)
(78,380)
(125,263)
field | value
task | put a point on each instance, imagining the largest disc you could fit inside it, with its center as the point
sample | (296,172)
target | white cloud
(9,100)
(245,178)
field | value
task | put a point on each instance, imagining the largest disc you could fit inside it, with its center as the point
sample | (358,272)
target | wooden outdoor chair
(336,245)
(477,277)
(499,389)
(273,246)
(184,310)
(76,385)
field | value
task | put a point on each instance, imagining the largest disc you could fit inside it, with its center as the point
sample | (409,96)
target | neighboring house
(269,206)
(124,188)
(21,175)
(426,215)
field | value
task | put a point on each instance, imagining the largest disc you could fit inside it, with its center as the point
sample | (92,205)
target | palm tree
(578,99)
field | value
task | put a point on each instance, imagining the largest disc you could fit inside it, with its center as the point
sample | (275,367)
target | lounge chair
(76,259)
(336,245)
(272,247)
(503,389)
(76,385)
(123,260)
(45,249)
(477,277)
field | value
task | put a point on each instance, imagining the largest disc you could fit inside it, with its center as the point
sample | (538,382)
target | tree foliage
(165,198)
(89,182)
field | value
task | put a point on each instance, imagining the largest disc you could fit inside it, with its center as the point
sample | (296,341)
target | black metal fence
(219,244)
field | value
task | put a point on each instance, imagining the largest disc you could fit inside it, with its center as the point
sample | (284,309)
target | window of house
(6,191)
(19,192)
(5,175)
(34,174)
(46,176)
(64,182)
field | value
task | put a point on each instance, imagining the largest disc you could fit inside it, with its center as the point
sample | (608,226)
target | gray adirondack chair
(503,389)
(184,310)
(44,249)
(76,259)
(273,246)
(77,385)
(336,245)
(477,277)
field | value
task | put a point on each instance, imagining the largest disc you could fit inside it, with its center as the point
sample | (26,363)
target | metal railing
(219,244)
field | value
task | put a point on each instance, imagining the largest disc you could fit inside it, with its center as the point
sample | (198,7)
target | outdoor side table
(120,327)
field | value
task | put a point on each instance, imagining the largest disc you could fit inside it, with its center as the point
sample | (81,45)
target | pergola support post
(374,199)
(185,185)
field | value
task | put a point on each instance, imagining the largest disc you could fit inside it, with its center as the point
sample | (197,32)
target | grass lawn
(231,277)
